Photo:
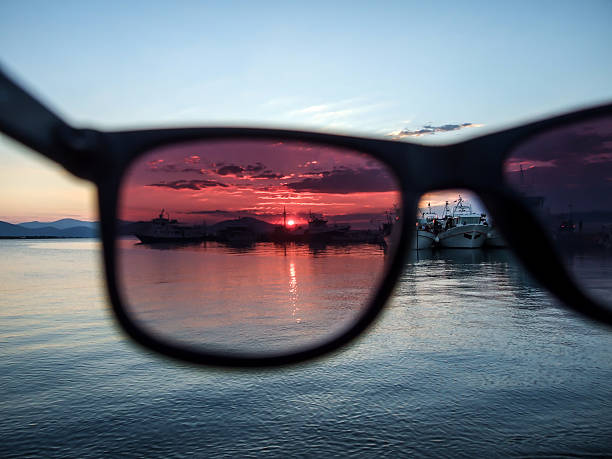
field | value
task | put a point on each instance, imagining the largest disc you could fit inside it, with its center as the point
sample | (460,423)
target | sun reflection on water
(293,293)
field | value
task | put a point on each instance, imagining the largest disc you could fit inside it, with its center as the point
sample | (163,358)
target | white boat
(463,228)
(423,240)
(425,236)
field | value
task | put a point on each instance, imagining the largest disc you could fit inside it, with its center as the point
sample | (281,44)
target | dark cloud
(345,181)
(257,167)
(189,184)
(241,171)
(268,174)
(316,174)
(209,212)
(167,168)
(230,170)
(192,169)
(429,129)
(172,168)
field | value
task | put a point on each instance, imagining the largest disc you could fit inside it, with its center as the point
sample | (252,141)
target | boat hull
(148,239)
(423,240)
(495,239)
(464,237)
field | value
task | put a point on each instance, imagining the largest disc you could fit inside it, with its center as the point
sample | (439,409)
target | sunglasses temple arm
(26,120)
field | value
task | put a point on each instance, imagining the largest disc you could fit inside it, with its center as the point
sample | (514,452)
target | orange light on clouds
(258,179)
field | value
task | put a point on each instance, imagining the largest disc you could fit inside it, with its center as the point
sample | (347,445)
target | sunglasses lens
(565,177)
(253,246)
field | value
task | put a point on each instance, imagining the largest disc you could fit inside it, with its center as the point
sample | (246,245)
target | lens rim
(371,308)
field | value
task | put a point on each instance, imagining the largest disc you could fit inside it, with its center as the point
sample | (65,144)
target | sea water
(470,357)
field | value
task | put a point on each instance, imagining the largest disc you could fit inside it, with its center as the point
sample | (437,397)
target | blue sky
(369,68)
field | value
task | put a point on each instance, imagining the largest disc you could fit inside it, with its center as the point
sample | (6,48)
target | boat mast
(284,217)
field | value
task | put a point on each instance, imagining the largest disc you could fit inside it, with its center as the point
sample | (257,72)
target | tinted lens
(565,177)
(253,246)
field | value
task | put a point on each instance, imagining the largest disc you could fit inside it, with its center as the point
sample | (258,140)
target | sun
(290,222)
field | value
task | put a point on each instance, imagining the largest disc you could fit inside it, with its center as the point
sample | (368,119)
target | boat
(425,230)
(423,240)
(164,229)
(495,239)
(319,230)
(237,235)
(463,228)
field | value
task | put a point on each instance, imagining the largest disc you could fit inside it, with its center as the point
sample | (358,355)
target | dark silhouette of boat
(237,235)
(319,230)
(164,229)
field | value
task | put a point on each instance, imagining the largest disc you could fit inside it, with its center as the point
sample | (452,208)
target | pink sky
(214,181)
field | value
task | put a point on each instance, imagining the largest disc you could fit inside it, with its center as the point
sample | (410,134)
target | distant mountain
(64,223)
(255,225)
(10,230)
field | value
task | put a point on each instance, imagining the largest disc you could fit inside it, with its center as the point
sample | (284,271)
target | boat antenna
(522,175)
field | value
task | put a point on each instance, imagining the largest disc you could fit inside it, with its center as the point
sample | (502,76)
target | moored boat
(423,240)
(164,229)
(463,228)
(425,236)
(319,230)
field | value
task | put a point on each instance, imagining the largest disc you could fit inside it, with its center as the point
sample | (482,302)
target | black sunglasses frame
(475,164)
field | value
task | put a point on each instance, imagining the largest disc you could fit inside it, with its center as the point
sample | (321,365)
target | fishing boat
(319,230)
(463,228)
(425,230)
(164,229)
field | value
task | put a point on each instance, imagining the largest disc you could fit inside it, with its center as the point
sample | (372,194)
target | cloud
(313,109)
(429,129)
(193,159)
(598,158)
(230,170)
(515,164)
(268,174)
(241,171)
(255,167)
(189,184)
(209,212)
(160,165)
(345,181)
(342,113)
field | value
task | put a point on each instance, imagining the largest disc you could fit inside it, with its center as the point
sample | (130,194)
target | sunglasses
(260,247)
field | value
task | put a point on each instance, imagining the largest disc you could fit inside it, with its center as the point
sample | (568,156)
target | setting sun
(290,222)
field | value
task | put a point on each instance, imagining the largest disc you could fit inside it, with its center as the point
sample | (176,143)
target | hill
(64,223)
(10,230)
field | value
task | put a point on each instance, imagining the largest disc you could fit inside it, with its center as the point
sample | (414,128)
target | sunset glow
(213,181)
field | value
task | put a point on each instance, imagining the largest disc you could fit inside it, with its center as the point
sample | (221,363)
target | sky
(266,179)
(416,71)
